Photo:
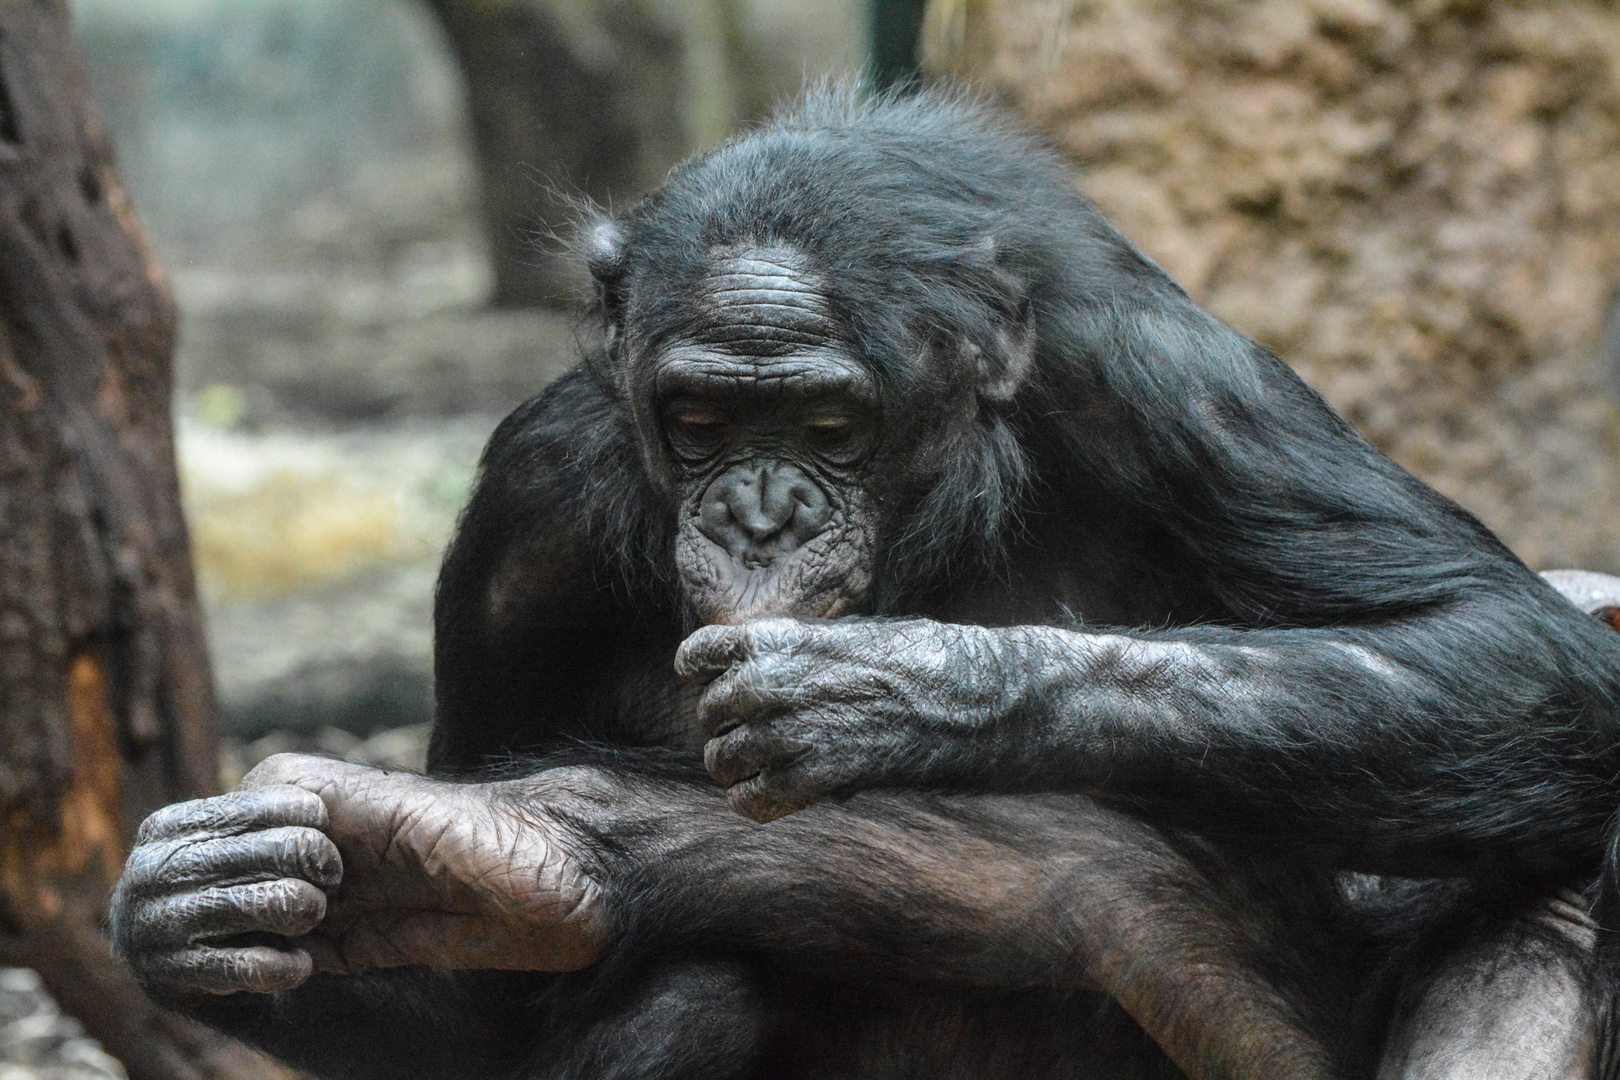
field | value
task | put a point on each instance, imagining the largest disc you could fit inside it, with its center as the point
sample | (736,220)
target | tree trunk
(567,100)
(106,705)
(575,100)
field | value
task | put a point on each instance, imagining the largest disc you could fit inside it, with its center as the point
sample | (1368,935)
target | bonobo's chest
(1092,569)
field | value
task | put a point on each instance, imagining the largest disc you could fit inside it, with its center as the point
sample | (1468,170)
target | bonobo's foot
(320,865)
(1516,1003)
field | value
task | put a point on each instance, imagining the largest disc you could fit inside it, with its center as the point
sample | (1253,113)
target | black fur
(1154,470)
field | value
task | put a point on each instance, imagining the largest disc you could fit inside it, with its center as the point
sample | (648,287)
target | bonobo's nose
(761,512)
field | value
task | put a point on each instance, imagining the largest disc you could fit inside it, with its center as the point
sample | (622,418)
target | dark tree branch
(108,705)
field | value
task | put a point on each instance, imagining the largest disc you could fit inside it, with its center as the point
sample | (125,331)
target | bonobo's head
(820,331)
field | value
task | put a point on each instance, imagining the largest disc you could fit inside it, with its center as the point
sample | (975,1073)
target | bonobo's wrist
(1034,667)
(636,832)
(1046,717)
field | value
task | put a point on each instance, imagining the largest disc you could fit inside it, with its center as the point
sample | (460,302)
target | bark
(1416,205)
(106,704)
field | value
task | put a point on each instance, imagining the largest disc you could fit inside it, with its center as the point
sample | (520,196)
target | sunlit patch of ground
(277,512)
(316,553)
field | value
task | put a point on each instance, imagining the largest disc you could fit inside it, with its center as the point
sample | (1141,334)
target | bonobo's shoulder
(574,425)
(566,462)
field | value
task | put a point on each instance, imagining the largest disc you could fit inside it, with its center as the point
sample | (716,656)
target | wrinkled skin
(1124,659)
(798,711)
(360,869)
(764,427)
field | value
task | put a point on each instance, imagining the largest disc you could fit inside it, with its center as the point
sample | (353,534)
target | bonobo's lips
(827,577)
(761,597)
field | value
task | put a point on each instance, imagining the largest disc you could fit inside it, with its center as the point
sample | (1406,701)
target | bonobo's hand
(248,891)
(797,711)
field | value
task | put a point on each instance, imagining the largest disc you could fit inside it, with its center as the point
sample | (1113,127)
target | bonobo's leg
(1045,893)
(1517,1004)
(700,1020)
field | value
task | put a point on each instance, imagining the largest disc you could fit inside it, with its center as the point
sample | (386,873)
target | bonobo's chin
(779,590)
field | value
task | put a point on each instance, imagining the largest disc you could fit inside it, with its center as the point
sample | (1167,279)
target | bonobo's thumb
(307,771)
(712,650)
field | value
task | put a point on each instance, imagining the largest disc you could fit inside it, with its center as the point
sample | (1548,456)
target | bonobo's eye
(696,432)
(834,436)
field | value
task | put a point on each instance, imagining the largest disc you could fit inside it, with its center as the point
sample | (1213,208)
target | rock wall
(1417,205)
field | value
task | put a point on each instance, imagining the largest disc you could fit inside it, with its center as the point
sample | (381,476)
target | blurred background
(364,204)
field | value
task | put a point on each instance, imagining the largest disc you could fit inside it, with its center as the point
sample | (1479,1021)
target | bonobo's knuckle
(708,652)
(748,752)
(741,695)
(733,757)
(146,871)
(286,852)
(775,635)
(173,820)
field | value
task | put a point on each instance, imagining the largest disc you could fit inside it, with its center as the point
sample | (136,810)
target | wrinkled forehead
(763,300)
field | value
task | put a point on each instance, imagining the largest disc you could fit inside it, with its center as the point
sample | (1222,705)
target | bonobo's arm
(1379,683)
(1347,746)
(638,863)
(215,888)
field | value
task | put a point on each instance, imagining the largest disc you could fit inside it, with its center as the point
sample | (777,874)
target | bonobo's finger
(713,649)
(765,798)
(236,812)
(289,907)
(747,693)
(267,855)
(748,752)
(710,652)
(256,969)
(173,866)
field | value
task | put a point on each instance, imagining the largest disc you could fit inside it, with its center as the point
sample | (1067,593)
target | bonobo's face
(766,424)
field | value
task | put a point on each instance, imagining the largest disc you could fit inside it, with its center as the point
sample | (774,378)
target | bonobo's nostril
(759,512)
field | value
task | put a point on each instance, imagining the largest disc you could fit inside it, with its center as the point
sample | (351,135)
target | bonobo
(1112,703)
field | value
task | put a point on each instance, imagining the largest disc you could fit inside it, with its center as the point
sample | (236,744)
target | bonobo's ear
(606,255)
(605,250)
(1005,366)
(1003,372)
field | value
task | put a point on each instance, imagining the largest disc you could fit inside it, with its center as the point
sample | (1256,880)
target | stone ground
(38,1043)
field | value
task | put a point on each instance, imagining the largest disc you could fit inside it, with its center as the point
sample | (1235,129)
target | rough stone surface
(38,1043)
(1416,204)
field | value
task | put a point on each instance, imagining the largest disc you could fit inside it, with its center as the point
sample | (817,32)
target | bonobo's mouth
(826,578)
(761,596)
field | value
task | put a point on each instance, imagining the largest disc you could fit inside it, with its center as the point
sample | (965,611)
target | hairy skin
(1129,662)
(512,875)
(363,869)
(799,711)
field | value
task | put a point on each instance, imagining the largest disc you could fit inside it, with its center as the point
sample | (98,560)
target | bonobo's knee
(1517,1004)
(691,1021)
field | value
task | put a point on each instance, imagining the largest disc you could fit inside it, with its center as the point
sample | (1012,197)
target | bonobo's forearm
(1353,746)
(1034,891)
(638,866)
(1467,741)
